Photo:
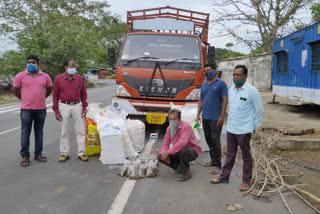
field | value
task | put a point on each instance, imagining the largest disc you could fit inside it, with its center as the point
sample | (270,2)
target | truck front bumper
(142,107)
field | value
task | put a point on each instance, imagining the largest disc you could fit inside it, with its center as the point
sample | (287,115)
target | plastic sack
(196,129)
(129,151)
(112,151)
(151,168)
(133,169)
(93,145)
(202,141)
(187,114)
(142,169)
(124,169)
(136,130)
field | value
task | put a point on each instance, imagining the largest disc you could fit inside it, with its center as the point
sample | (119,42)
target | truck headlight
(121,91)
(194,94)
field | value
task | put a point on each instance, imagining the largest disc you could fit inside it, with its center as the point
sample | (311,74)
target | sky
(121,7)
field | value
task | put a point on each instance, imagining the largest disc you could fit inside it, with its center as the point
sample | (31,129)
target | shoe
(219,181)
(63,158)
(244,187)
(83,158)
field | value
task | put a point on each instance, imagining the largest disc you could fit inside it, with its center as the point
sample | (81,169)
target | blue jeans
(37,117)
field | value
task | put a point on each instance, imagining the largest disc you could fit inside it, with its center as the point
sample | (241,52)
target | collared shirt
(68,90)
(211,96)
(33,89)
(245,109)
(184,137)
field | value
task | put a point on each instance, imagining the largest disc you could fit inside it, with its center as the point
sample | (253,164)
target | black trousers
(181,160)
(212,134)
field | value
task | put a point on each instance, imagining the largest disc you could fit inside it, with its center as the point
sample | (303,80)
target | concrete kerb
(294,144)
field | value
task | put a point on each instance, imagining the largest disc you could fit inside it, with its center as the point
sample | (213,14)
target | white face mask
(173,126)
(71,71)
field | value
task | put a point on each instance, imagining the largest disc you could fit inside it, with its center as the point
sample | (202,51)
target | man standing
(184,148)
(213,104)
(32,86)
(245,115)
(70,89)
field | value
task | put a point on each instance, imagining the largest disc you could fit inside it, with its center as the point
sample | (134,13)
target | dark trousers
(212,134)
(233,140)
(37,117)
(181,160)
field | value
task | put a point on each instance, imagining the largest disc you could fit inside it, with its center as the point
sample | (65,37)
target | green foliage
(229,45)
(57,30)
(12,62)
(222,53)
(315,10)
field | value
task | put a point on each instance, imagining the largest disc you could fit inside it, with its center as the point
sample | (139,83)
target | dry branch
(268,176)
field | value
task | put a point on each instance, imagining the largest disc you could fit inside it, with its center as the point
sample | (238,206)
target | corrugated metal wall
(298,80)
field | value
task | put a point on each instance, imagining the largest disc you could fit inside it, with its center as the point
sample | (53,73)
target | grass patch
(7,98)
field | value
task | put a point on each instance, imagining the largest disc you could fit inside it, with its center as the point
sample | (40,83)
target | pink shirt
(184,137)
(33,89)
(69,90)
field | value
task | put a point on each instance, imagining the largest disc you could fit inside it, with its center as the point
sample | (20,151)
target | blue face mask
(32,68)
(211,74)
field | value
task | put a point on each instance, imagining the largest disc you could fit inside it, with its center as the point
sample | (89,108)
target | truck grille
(157,88)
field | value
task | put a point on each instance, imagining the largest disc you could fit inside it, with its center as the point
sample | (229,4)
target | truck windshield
(172,51)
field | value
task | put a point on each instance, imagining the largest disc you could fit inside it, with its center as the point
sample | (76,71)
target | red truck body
(160,67)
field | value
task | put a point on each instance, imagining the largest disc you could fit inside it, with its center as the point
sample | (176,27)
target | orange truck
(161,61)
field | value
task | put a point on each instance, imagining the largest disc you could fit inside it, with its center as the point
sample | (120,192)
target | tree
(229,46)
(222,53)
(11,63)
(56,30)
(315,10)
(255,22)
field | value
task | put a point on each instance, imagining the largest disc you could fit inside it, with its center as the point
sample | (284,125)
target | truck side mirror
(211,56)
(111,57)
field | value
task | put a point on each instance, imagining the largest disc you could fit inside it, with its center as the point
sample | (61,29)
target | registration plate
(156,118)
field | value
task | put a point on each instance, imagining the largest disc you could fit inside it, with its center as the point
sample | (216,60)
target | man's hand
(220,122)
(198,119)
(58,116)
(84,113)
(165,157)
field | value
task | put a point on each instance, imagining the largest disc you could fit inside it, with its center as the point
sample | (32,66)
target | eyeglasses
(237,75)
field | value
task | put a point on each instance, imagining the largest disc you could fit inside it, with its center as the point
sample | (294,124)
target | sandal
(25,162)
(219,181)
(184,177)
(215,171)
(209,164)
(40,158)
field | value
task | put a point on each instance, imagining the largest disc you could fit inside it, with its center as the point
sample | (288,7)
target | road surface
(76,187)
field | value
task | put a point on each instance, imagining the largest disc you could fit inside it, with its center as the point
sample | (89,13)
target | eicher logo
(157,88)
(157,82)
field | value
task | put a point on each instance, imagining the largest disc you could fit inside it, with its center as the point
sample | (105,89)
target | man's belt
(70,103)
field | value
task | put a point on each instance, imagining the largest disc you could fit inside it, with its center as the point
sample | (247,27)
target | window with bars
(282,62)
(315,56)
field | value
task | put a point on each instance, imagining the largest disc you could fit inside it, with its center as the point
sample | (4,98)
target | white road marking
(9,130)
(121,199)
(49,110)
(9,110)
(9,107)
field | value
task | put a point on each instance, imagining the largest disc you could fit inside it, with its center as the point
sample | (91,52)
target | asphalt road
(76,187)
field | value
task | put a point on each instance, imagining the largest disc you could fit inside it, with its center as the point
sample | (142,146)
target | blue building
(296,65)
